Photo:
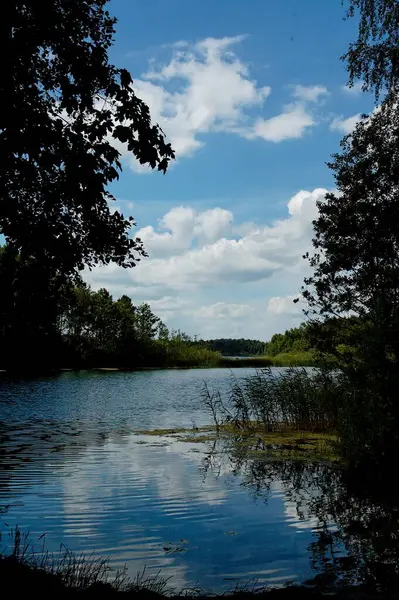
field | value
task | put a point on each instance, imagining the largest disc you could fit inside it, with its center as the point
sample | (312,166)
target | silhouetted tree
(356,260)
(374,56)
(66,111)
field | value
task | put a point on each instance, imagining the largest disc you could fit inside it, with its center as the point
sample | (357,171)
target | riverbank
(18,574)
(301,359)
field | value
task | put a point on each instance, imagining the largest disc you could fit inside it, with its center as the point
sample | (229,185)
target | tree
(146,322)
(356,263)
(374,56)
(65,112)
(355,280)
(30,305)
(163,332)
(356,266)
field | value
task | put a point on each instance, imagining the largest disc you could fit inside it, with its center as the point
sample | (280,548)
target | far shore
(303,359)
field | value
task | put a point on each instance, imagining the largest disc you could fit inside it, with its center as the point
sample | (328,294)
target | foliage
(66,112)
(356,264)
(182,351)
(374,57)
(236,347)
(294,359)
(353,292)
(293,340)
(46,323)
(356,272)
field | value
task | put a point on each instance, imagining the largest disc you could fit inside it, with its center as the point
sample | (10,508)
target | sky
(253,98)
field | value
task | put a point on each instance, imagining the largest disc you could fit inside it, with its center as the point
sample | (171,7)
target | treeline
(67,324)
(292,340)
(236,347)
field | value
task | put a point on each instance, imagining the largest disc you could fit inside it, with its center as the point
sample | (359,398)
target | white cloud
(181,226)
(206,278)
(288,125)
(355,90)
(222,310)
(345,125)
(206,88)
(284,305)
(211,92)
(185,258)
(309,93)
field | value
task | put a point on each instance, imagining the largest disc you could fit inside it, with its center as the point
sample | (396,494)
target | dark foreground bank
(19,576)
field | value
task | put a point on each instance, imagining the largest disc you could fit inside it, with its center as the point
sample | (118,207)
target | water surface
(76,465)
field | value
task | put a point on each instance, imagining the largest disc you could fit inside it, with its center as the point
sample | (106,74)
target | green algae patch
(174,431)
(294,445)
(256,442)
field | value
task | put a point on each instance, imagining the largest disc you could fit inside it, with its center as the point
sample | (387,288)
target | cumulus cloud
(283,305)
(205,88)
(188,257)
(288,125)
(345,125)
(295,119)
(181,226)
(309,93)
(222,310)
(211,276)
(355,90)
(212,90)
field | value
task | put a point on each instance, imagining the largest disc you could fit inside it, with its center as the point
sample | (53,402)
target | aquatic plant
(292,399)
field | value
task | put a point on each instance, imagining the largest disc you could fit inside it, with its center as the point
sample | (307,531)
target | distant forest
(292,340)
(236,347)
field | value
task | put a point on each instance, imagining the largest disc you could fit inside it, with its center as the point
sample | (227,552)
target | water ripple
(72,466)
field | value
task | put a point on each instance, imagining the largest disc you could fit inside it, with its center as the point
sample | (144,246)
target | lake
(77,465)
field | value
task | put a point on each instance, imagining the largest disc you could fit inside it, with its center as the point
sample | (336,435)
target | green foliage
(65,110)
(182,351)
(294,359)
(293,340)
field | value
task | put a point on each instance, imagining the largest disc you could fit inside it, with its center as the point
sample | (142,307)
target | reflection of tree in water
(356,528)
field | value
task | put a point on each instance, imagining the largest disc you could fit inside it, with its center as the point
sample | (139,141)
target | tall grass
(293,359)
(293,399)
(187,355)
(67,571)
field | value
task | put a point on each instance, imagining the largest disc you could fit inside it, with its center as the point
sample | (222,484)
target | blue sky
(252,97)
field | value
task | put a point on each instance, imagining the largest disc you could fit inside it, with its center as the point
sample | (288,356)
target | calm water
(74,465)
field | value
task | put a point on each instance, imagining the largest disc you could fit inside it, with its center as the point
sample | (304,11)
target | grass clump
(252,361)
(292,400)
(29,569)
(294,359)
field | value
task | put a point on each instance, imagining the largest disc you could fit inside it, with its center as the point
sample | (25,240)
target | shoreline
(244,363)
